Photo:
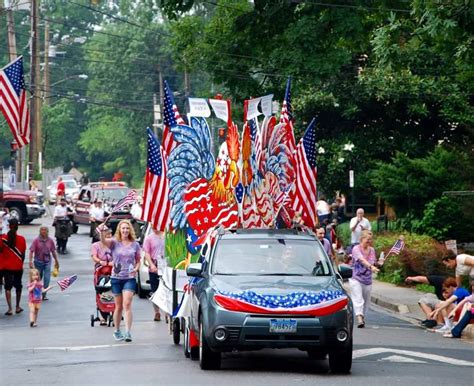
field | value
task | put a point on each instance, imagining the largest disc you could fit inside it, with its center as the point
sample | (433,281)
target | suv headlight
(33,199)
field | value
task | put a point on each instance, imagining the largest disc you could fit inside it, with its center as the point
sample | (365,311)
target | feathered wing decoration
(189,161)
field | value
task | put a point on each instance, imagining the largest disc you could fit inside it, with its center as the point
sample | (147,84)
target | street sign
(351,178)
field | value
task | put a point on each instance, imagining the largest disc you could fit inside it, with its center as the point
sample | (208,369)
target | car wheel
(316,354)
(208,360)
(176,331)
(16,213)
(340,361)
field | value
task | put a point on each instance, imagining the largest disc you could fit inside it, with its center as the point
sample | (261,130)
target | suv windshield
(267,257)
(110,194)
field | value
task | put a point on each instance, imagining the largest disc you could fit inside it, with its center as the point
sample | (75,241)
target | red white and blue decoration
(66,282)
(299,302)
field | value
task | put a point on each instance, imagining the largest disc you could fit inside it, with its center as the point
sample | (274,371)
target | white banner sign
(452,245)
(198,107)
(252,109)
(220,108)
(266,105)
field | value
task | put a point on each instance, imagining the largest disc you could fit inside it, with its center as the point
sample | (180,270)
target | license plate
(283,326)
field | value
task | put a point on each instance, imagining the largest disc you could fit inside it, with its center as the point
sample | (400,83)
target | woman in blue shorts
(126,259)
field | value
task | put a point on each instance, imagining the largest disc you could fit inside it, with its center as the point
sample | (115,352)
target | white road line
(400,359)
(438,358)
(80,348)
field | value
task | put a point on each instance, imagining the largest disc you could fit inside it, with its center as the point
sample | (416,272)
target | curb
(404,309)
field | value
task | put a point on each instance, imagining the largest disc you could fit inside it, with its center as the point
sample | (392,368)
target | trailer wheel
(176,331)
(92,320)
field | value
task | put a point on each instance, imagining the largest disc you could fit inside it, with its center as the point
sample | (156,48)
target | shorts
(13,279)
(120,285)
(34,306)
(431,300)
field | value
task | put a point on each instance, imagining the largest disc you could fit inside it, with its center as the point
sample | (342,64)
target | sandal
(19,310)
(8,313)
(157,318)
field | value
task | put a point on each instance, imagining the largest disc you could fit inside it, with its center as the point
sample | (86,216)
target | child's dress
(35,296)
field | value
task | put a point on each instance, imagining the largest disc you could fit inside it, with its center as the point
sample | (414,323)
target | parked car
(24,205)
(72,190)
(109,192)
(260,289)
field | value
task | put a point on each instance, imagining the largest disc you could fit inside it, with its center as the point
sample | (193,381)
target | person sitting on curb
(446,306)
(463,264)
(429,301)
(467,314)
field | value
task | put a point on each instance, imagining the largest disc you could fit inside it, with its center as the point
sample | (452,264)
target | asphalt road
(65,349)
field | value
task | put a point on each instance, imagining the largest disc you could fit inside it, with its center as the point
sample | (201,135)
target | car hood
(273,285)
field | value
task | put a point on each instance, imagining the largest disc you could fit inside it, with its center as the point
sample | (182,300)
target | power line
(118,18)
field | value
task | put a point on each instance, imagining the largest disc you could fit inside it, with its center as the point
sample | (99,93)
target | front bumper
(35,211)
(252,332)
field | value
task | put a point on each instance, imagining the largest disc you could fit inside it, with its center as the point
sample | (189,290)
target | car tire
(16,213)
(317,355)
(208,359)
(340,361)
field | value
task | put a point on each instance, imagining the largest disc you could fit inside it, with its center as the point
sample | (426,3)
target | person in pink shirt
(154,248)
(36,291)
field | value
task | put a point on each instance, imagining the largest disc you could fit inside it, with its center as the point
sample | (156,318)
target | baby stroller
(103,296)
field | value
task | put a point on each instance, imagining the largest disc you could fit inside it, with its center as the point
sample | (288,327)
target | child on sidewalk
(35,295)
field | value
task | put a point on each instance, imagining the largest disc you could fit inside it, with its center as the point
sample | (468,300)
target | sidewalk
(404,301)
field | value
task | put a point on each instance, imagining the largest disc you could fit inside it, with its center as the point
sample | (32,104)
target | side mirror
(345,271)
(194,270)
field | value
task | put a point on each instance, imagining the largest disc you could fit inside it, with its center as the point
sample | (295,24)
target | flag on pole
(129,199)
(397,247)
(13,101)
(171,118)
(66,282)
(286,117)
(156,207)
(306,173)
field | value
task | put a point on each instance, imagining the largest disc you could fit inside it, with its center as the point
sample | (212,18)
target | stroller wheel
(92,320)
(111,319)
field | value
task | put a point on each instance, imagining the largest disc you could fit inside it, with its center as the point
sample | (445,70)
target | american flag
(306,173)
(286,117)
(320,303)
(129,199)
(397,247)
(171,118)
(156,204)
(66,282)
(13,102)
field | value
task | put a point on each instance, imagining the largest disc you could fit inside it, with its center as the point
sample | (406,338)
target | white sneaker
(443,329)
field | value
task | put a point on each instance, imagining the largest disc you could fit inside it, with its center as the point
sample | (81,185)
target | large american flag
(306,173)
(13,101)
(66,282)
(257,143)
(171,118)
(156,204)
(129,199)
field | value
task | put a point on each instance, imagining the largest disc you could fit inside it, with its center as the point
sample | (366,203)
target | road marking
(433,357)
(400,359)
(80,348)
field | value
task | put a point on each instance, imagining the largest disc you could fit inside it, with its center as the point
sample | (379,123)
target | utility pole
(35,107)
(46,78)
(12,56)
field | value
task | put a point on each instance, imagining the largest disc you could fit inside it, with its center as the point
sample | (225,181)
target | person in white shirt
(136,209)
(60,211)
(4,218)
(96,217)
(463,265)
(359,224)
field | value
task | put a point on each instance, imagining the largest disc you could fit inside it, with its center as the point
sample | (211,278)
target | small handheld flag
(66,282)
(129,199)
(397,247)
